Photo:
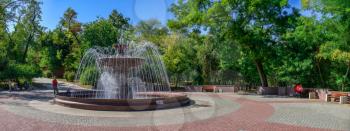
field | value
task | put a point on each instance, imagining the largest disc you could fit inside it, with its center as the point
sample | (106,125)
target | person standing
(55,86)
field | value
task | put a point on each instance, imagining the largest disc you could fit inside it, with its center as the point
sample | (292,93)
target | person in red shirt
(55,86)
(298,89)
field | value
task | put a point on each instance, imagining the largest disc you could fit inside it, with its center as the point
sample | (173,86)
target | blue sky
(89,10)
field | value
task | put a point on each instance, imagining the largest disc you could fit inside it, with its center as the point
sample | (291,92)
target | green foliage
(337,48)
(119,21)
(66,45)
(249,41)
(69,76)
(15,71)
(254,25)
(106,32)
(208,59)
(47,74)
(15,46)
(248,70)
(297,62)
(89,76)
(100,32)
(152,31)
(177,56)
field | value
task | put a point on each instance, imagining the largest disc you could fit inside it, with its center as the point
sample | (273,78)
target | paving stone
(32,111)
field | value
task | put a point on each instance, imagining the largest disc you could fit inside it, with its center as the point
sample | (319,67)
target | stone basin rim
(169,100)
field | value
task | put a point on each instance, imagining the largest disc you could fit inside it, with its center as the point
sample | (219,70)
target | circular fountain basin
(153,101)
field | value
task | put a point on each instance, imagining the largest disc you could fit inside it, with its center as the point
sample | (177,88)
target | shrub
(19,71)
(47,74)
(89,76)
(69,76)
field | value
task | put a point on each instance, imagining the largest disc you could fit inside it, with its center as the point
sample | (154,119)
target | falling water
(125,71)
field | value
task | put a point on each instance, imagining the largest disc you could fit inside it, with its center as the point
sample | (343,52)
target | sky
(89,10)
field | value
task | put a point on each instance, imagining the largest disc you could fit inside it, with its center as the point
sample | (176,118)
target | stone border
(163,101)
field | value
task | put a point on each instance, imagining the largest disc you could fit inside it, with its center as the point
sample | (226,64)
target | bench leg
(327,98)
(343,100)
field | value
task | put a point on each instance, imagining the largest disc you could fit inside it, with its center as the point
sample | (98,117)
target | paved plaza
(35,111)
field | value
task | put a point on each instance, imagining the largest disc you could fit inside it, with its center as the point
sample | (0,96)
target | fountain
(127,77)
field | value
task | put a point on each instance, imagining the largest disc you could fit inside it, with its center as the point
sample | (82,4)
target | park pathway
(33,111)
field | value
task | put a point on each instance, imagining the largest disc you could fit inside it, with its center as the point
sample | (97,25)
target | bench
(209,88)
(335,96)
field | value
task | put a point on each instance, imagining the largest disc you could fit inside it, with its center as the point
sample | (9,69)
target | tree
(100,33)
(119,21)
(152,30)
(336,49)
(52,53)
(3,41)
(106,32)
(27,25)
(31,23)
(121,24)
(69,23)
(297,62)
(208,59)
(255,25)
(67,38)
(177,57)
(15,45)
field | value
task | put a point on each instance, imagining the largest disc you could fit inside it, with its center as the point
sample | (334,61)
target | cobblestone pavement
(33,111)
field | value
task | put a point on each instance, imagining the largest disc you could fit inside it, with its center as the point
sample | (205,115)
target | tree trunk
(320,73)
(11,43)
(26,49)
(30,37)
(176,80)
(76,38)
(261,72)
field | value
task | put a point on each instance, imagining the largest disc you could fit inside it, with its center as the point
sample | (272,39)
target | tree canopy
(252,42)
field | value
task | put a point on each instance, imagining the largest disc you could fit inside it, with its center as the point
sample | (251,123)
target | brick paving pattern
(32,111)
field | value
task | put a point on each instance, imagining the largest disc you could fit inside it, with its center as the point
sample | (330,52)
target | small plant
(69,76)
(47,74)
(88,77)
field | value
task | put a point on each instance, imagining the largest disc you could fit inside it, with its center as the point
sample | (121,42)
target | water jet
(129,76)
